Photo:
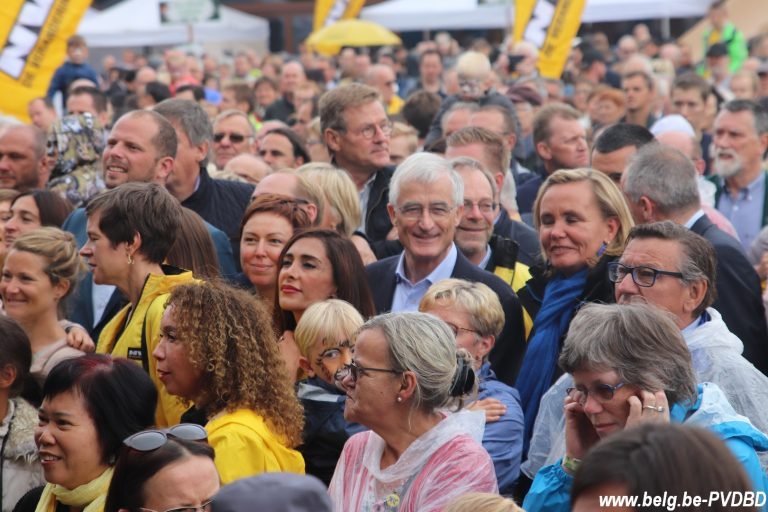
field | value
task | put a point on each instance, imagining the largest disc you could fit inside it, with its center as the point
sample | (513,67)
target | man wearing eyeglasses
(426,205)
(490,150)
(660,184)
(356,130)
(233,135)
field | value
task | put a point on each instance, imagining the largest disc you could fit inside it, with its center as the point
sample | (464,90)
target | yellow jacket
(121,340)
(245,446)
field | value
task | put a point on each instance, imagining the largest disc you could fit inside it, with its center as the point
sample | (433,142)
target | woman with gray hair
(630,365)
(404,375)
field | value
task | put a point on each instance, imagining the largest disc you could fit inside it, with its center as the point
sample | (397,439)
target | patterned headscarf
(75,144)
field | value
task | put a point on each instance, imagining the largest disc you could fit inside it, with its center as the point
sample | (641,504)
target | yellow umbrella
(352,32)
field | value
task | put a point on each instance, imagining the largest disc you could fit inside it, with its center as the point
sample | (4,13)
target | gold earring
(130,258)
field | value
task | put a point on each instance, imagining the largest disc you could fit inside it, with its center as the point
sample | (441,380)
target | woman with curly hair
(217,349)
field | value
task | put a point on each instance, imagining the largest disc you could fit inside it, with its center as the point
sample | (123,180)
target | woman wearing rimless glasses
(218,350)
(630,365)
(168,470)
(90,405)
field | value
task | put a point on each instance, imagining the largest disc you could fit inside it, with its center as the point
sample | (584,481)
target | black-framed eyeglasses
(149,440)
(234,138)
(354,371)
(203,507)
(601,392)
(642,276)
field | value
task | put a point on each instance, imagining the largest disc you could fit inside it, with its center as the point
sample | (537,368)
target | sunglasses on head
(235,138)
(149,440)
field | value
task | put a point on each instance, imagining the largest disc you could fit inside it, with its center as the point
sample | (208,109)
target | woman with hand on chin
(131,229)
(315,265)
(583,220)
(630,365)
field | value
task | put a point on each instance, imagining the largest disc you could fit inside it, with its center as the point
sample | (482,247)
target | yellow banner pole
(33,42)
(563,28)
(523,12)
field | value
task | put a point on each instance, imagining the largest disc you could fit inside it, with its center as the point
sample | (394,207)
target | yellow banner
(565,24)
(523,12)
(33,43)
(328,12)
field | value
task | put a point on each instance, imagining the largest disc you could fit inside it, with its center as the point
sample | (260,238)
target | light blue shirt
(408,294)
(486,258)
(365,196)
(746,210)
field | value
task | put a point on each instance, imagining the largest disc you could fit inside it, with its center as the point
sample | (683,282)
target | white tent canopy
(406,15)
(137,23)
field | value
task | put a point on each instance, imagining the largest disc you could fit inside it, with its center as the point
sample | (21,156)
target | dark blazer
(526,237)
(221,203)
(507,354)
(738,293)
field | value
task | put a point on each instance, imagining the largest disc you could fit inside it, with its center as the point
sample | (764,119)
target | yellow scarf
(91,495)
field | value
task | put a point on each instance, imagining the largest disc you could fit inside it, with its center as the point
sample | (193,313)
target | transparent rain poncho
(444,463)
(716,354)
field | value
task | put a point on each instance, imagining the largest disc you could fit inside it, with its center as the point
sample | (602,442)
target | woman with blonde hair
(218,350)
(482,502)
(340,192)
(324,336)
(583,222)
(343,203)
(40,270)
(474,314)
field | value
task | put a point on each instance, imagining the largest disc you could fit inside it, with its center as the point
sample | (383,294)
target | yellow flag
(328,12)
(523,12)
(33,37)
(563,28)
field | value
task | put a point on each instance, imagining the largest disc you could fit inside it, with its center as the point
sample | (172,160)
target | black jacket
(507,354)
(377,222)
(221,203)
(526,237)
(738,293)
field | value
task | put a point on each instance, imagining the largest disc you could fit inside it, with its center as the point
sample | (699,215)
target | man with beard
(740,141)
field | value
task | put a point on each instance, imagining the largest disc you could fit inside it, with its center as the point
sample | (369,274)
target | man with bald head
(290,184)
(291,76)
(382,78)
(23,161)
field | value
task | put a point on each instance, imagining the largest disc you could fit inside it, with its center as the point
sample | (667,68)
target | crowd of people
(406,279)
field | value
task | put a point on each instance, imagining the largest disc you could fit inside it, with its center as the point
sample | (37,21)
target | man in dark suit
(425,206)
(660,184)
